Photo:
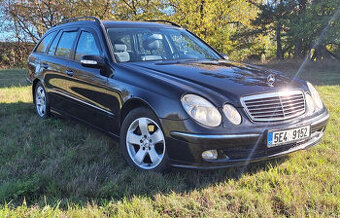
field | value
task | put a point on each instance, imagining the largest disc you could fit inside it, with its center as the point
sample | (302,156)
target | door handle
(69,72)
(44,65)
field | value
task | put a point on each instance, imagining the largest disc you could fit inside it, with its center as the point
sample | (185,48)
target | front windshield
(155,44)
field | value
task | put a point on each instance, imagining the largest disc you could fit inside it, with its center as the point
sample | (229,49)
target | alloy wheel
(40,101)
(145,143)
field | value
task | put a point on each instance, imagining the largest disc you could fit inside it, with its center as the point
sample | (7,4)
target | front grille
(274,106)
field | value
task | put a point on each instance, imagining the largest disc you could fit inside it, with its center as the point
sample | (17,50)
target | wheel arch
(132,104)
(34,84)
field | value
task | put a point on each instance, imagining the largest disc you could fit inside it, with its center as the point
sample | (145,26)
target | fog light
(210,155)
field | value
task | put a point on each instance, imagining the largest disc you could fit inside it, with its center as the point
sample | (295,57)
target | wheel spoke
(143,126)
(39,102)
(140,155)
(133,138)
(157,136)
(42,94)
(41,110)
(153,155)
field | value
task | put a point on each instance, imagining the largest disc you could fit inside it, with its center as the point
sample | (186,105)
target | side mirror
(224,56)
(92,61)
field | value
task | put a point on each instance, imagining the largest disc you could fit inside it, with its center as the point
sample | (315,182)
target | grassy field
(57,167)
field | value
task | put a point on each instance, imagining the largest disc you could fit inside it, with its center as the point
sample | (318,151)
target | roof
(132,24)
(112,24)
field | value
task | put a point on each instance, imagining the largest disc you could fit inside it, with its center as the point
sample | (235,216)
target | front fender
(164,106)
(162,97)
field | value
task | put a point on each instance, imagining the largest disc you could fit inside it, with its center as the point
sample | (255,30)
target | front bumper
(237,149)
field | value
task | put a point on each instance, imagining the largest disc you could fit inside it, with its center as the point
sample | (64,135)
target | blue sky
(3,34)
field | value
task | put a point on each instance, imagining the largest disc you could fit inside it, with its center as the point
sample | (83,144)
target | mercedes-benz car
(170,98)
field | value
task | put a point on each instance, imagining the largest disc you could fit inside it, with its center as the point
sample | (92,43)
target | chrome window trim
(273,94)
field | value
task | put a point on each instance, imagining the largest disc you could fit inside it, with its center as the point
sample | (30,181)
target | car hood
(230,79)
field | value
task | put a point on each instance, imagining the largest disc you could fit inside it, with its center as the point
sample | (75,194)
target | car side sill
(65,114)
(81,101)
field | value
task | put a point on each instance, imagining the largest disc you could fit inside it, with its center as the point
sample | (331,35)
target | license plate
(281,137)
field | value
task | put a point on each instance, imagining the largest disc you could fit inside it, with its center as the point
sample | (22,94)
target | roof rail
(74,19)
(164,21)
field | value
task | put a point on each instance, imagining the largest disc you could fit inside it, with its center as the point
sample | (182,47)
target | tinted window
(187,47)
(145,49)
(44,43)
(86,45)
(65,44)
(53,46)
(154,44)
(126,40)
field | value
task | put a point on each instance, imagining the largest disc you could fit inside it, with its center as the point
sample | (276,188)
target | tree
(215,21)
(271,19)
(139,9)
(299,25)
(32,18)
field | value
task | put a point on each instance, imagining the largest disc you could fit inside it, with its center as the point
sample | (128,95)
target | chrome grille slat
(267,112)
(264,104)
(293,109)
(294,105)
(275,99)
(276,102)
(254,102)
(294,112)
(274,106)
(271,109)
(267,116)
(268,108)
(291,96)
(297,100)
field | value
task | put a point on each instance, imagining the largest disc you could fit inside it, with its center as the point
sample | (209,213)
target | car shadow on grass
(60,161)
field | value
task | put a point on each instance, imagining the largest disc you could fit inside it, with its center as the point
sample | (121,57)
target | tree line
(243,29)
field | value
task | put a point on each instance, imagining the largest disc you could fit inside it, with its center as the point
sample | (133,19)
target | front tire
(142,141)
(41,101)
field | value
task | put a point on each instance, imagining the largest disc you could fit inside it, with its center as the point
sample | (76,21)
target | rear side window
(44,43)
(65,44)
(86,45)
(53,46)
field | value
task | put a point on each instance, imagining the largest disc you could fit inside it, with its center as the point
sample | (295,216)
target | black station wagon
(171,98)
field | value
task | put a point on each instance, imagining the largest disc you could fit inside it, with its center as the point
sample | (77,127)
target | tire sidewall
(39,84)
(132,116)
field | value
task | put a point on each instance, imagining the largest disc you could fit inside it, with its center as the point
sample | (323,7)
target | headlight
(232,114)
(310,104)
(315,96)
(201,110)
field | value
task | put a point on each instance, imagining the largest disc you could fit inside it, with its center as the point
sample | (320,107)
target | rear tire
(142,141)
(41,101)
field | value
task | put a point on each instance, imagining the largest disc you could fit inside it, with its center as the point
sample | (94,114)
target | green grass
(57,167)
